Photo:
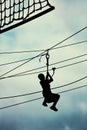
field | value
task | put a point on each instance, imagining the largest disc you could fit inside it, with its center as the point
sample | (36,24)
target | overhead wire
(32,93)
(42,71)
(44,51)
(73,89)
(68,45)
(62,61)
(68,38)
(13,62)
(40,50)
(20,65)
(28,101)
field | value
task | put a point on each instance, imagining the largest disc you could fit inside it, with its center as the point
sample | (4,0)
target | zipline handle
(54,68)
(47,64)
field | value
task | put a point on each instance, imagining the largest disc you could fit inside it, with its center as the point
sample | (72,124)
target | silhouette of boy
(47,94)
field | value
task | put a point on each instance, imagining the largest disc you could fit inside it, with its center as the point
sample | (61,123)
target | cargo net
(16,12)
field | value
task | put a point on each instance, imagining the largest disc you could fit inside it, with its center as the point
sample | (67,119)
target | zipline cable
(45,70)
(68,59)
(18,75)
(44,51)
(13,62)
(68,38)
(27,94)
(38,50)
(20,65)
(21,103)
(76,43)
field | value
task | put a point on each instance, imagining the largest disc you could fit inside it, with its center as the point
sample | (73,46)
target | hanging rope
(47,63)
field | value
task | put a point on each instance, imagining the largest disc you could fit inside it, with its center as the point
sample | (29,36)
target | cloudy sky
(44,32)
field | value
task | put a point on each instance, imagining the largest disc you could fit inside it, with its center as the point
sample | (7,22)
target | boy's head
(41,76)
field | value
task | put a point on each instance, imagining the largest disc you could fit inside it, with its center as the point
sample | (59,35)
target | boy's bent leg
(58,96)
(55,100)
(44,103)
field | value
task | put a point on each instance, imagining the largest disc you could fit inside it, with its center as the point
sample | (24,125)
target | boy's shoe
(44,104)
(53,108)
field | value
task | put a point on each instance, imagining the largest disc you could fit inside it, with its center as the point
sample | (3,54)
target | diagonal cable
(44,51)
(27,94)
(28,101)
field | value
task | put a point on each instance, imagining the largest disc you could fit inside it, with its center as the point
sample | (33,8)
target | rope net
(16,12)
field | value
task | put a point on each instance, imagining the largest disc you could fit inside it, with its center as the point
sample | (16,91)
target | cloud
(68,121)
(83,107)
